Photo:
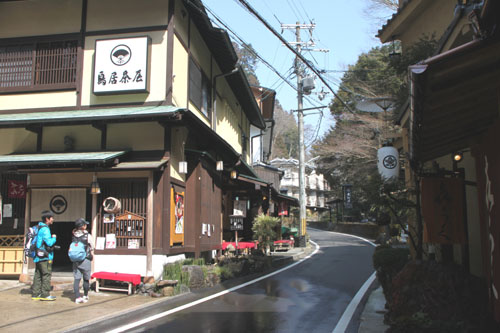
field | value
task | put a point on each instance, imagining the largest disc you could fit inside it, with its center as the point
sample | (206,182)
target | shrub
(174,271)
(388,262)
(224,272)
(264,231)
(195,262)
(433,297)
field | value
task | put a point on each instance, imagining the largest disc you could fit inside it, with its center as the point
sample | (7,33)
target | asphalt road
(311,296)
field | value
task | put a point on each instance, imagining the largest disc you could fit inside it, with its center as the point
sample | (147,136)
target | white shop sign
(121,65)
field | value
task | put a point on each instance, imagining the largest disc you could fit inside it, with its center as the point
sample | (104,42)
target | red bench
(132,280)
(283,244)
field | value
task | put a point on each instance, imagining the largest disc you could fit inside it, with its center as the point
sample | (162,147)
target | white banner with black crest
(388,163)
(67,204)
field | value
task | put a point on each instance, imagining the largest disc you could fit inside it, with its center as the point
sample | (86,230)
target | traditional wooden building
(451,131)
(131,114)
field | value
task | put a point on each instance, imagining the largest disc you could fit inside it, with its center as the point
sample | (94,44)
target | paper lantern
(388,163)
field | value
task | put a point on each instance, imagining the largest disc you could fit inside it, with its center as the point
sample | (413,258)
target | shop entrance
(63,231)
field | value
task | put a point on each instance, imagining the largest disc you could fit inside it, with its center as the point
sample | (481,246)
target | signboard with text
(121,65)
(236,222)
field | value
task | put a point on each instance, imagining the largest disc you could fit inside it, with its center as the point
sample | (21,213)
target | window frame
(202,87)
(42,57)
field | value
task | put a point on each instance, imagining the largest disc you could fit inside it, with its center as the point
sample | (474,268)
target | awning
(135,165)
(283,197)
(253,180)
(454,98)
(60,159)
(89,115)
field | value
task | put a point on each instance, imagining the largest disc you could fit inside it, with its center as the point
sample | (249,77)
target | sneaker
(85,299)
(35,298)
(79,300)
(48,298)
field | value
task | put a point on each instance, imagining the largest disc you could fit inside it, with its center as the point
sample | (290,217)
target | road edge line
(351,308)
(202,300)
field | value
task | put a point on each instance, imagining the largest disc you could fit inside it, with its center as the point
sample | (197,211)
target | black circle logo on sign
(120,55)
(390,162)
(58,204)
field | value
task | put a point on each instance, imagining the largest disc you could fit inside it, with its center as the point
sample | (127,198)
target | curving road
(315,295)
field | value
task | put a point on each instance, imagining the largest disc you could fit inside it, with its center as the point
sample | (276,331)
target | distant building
(316,185)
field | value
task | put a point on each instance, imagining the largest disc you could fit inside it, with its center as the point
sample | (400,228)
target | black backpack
(30,249)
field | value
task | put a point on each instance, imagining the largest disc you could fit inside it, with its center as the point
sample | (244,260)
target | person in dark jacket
(82,268)
(43,260)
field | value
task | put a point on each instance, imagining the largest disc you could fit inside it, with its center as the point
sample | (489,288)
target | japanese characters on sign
(16,189)
(121,65)
(347,188)
(236,222)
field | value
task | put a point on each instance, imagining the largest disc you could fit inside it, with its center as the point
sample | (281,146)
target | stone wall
(365,230)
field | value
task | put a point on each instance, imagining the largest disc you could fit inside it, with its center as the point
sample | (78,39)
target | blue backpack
(77,250)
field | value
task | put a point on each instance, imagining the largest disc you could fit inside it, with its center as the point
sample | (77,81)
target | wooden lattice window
(129,225)
(38,66)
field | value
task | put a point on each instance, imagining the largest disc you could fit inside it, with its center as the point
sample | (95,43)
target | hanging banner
(179,213)
(388,163)
(283,209)
(67,204)
(16,189)
(176,217)
(347,196)
(442,210)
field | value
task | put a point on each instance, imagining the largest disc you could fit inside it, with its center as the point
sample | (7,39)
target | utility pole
(300,119)
(302,154)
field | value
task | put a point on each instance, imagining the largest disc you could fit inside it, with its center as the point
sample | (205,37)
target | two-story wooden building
(138,102)
(451,130)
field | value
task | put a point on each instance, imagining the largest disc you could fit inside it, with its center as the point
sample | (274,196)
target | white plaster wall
(133,264)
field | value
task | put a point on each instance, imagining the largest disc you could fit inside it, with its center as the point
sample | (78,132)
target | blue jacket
(43,239)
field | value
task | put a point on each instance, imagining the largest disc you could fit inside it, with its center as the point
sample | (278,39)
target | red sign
(283,209)
(17,189)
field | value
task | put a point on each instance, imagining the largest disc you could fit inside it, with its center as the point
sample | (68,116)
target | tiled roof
(394,16)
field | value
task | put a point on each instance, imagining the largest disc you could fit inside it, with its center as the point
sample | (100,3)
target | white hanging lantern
(388,163)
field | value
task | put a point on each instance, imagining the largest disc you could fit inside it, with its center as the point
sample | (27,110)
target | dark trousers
(41,279)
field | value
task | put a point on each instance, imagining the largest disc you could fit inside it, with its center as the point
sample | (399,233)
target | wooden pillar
(149,232)
(94,225)
(24,276)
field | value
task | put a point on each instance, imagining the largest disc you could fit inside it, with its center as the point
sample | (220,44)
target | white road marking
(349,311)
(185,306)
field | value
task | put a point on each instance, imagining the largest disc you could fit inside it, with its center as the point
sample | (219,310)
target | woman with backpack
(81,239)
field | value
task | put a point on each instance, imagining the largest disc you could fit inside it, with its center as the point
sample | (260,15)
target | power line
(243,44)
(219,22)
(304,60)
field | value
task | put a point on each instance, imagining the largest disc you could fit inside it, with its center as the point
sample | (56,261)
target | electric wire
(301,57)
(243,44)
